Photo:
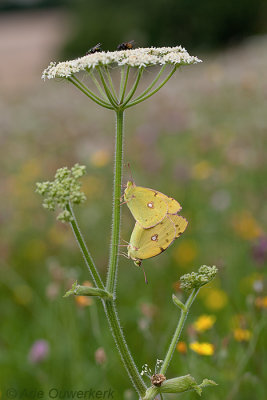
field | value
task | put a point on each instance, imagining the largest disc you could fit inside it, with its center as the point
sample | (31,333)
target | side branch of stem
(178,331)
(85,252)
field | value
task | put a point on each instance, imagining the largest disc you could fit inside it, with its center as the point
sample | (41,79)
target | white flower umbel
(98,66)
(142,57)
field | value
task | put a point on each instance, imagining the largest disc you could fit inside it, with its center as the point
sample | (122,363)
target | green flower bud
(197,279)
(64,190)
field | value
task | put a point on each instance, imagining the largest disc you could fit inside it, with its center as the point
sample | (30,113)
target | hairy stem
(124,351)
(85,252)
(116,214)
(178,331)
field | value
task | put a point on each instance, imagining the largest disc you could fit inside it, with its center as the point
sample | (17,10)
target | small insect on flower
(126,45)
(95,49)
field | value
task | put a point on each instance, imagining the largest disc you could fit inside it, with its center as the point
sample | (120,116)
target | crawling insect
(94,49)
(126,45)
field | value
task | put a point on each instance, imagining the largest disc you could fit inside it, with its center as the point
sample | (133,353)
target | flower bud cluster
(64,190)
(197,279)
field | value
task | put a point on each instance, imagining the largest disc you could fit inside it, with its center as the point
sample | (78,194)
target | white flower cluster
(141,57)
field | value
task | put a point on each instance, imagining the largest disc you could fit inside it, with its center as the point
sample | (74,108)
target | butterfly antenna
(144,274)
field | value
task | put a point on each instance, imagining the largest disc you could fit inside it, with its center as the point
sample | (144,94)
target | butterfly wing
(173,206)
(147,243)
(180,224)
(146,206)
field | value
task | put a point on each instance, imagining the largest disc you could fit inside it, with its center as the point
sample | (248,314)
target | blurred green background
(201,139)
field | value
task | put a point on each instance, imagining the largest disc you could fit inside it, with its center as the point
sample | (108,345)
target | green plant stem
(111,83)
(87,256)
(133,90)
(124,81)
(116,213)
(178,331)
(89,94)
(134,102)
(111,313)
(152,83)
(106,88)
(97,84)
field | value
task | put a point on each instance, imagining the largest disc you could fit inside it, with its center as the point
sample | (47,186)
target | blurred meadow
(202,140)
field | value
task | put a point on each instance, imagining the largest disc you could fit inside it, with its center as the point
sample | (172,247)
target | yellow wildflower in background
(204,348)
(181,347)
(204,322)
(58,235)
(100,158)
(202,170)
(23,294)
(215,299)
(34,250)
(261,302)
(186,252)
(84,301)
(242,335)
(246,226)
(92,186)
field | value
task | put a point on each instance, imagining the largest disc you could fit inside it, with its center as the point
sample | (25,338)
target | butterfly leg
(124,255)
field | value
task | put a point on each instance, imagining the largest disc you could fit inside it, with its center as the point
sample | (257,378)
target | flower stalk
(178,330)
(64,191)
(85,252)
(116,213)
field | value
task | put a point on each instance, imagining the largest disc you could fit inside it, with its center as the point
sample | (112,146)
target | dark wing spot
(162,249)
(155,194)
(167,240)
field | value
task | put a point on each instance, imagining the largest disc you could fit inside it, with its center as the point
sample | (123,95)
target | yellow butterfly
(148,206)
(147,243)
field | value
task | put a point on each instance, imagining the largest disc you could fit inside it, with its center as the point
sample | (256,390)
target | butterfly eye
(150,204)
(154,237)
